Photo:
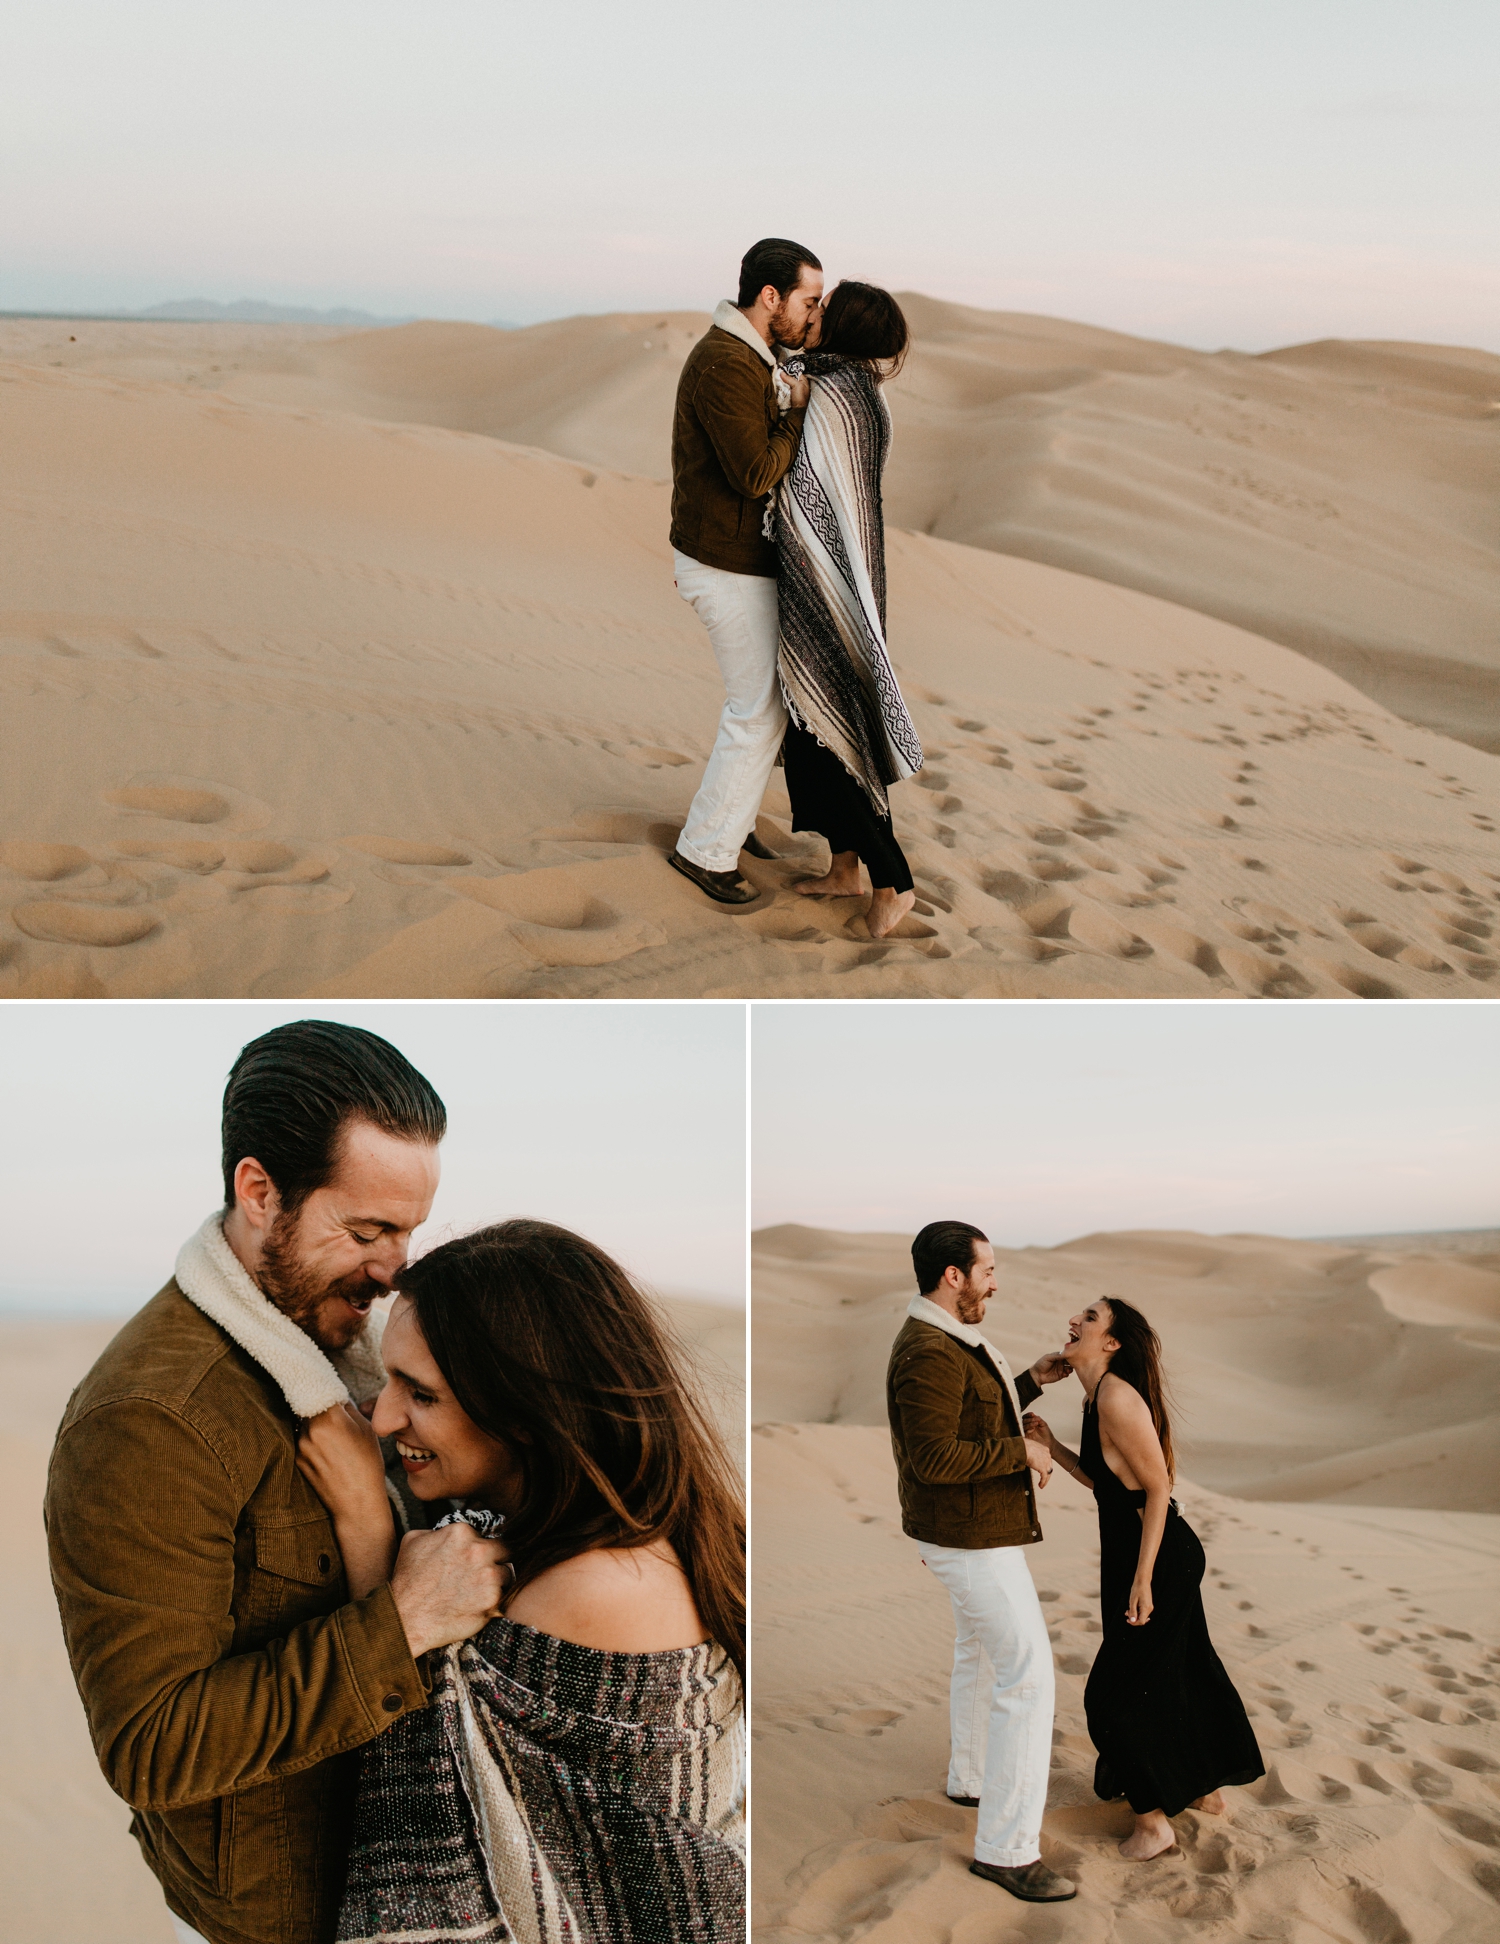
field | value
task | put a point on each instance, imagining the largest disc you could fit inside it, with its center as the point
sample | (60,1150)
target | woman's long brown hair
(1138,1361)
(549,1346)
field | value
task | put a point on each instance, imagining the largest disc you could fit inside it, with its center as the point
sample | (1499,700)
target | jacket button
(392,1704)
(324,1562)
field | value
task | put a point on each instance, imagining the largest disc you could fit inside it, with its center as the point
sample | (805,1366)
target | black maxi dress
(1164,1715)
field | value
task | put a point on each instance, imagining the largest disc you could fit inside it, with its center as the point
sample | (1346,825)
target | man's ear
(255,1194)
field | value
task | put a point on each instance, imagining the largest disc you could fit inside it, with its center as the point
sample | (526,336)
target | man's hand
(801,391)
(1051,1369)
(446,1585)
(1039,1458)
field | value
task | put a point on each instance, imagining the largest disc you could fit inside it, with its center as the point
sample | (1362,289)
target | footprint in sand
(648,755)
(404,850)
(560,923)
(168,800)
(43,862)
(81,924)
(637,827)
(173,798)
(858,1721)
(1356,981)
(183,854)
(1382,942)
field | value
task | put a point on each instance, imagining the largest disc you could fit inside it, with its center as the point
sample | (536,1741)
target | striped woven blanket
(554,1794)
(836,675)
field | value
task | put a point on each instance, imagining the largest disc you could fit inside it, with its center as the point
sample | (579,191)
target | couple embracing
(1164,1716)
(395,1629)
(779,441)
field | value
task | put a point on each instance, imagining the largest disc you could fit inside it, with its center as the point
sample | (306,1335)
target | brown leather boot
(1031,1882)
(724,887)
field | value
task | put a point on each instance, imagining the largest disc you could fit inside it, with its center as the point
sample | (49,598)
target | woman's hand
(1140,1606)
(1039,1431)
(339,1456)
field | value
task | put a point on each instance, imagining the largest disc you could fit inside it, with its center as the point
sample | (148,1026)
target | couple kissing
(779,442)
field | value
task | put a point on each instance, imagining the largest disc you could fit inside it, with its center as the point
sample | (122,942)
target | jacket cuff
(1013,1457)
(389,1682)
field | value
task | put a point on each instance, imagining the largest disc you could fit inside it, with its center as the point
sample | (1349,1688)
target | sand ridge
(358,709)
(1359,1630)
(1337,497)
(1300,1374)
(54,1804)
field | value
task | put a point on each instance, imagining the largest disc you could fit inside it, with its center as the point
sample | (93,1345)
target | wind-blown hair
(549,1346)
(865,324)
(1138,1361)
(292,1092)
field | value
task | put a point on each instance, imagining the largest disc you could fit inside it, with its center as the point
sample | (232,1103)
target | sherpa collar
(729,317)
(926,1311)
(213,1278)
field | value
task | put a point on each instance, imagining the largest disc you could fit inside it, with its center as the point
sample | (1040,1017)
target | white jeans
(186,1936)
(739,611)
(1001,1730)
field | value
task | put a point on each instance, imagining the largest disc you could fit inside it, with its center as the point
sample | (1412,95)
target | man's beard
(784,332)
(301,1294)
(971,1304)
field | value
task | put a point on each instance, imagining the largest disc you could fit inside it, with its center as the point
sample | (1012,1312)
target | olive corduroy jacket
(223,1667)
(729,448)
(961,1469)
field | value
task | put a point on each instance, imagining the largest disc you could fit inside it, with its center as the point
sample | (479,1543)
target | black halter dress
(1165,1717)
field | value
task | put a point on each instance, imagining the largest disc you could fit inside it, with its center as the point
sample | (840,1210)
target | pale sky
(625,1123)
(1215,172)
(1042,1121)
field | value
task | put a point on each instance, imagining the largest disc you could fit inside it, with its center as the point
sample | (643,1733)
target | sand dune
(1335,497)
(55,1807)
(1377,1820)
(1287,1356)
(299,703)
(1364,1644)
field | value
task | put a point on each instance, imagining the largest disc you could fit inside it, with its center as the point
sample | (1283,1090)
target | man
(963,1468)
(223,1667)
(731,446)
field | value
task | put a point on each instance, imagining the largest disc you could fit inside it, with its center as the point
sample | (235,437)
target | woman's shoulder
(1117,1400)
(620,1602)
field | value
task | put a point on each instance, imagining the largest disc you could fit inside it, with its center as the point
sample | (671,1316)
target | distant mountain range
(201,310)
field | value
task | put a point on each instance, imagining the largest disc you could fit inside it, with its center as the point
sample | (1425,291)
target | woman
(1165,1717)
(850,736)
(579,1773)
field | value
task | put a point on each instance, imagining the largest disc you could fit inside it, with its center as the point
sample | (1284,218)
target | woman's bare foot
(1211,1805)
(840,880)
(886,912)
(1152,1836)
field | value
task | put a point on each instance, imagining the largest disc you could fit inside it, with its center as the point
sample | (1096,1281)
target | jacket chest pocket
(983,1411)
(297,1574)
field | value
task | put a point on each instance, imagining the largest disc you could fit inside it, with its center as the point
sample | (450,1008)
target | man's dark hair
(292,1092)
(943,1245)
(774,260)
